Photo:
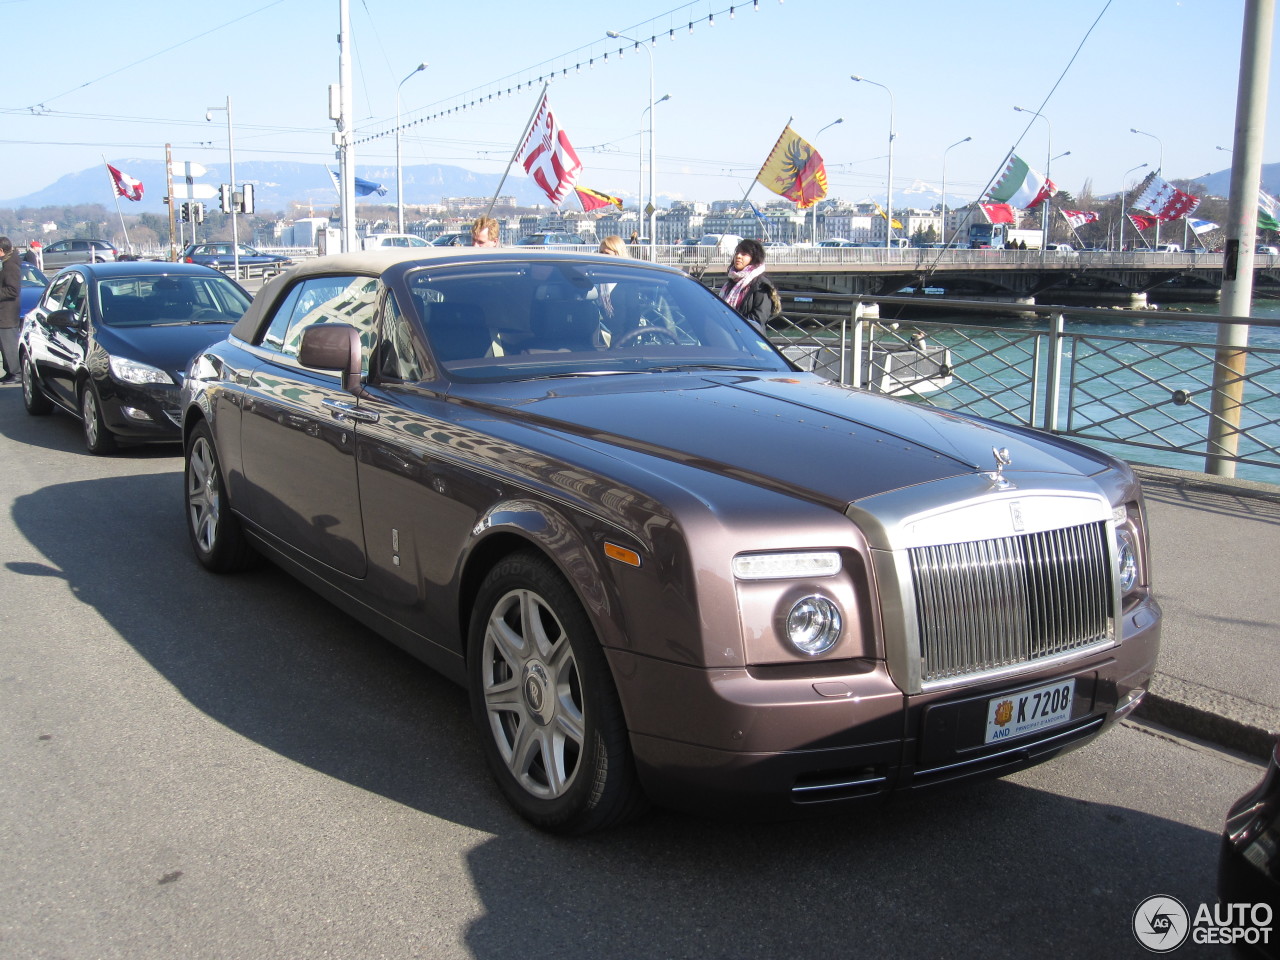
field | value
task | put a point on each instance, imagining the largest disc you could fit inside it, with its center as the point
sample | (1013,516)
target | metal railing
(1064,370)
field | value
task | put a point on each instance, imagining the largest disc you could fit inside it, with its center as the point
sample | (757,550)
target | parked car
(452,240)
(1249,861)
(1265,248)
(837,242)
(551,240)
(33,286)
(667,565)
(109,343)
(377,240)
(1169,248)
(220,254)
(1060,248)
(60,253)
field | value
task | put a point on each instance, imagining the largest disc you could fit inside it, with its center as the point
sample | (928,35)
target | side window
(397,357)
(74,299)
(337,299)
(57,292)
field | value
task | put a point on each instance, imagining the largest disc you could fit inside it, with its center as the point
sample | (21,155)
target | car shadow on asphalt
(257,653)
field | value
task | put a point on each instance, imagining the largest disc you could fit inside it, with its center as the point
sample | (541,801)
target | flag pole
(119,213)
(515,153)
(751,186)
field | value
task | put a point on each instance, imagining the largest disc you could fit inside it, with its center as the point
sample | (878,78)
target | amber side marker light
(621,554)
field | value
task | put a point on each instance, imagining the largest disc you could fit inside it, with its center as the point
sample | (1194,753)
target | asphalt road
(202,767)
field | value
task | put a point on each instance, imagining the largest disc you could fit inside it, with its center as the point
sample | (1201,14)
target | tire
(216,535)
(33,397)
(97,437)
(542,696)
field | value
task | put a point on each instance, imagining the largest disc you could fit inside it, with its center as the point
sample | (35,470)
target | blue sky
(122,80)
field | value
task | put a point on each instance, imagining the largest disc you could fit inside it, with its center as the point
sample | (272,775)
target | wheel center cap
(536,687)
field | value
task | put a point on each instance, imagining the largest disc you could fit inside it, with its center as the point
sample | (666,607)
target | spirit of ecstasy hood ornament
(997,476)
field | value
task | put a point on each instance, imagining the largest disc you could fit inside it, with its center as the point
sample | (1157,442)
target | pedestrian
(10,292)
(29,256)
(634,239)
(613,246)
(748,290)
(484,232)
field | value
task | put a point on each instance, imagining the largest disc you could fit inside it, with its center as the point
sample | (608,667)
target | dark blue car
(221,254)
(109,343)
(33,286)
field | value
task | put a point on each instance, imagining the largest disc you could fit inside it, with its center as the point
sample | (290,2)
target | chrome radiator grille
(989,604)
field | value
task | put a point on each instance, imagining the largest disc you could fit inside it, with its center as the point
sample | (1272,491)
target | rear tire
(33,397)
(97,437)
(216,535)
(542,695)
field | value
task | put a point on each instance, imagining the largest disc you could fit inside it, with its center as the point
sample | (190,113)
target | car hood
(796,433)
(167,346)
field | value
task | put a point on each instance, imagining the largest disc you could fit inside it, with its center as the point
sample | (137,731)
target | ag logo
(1161,924)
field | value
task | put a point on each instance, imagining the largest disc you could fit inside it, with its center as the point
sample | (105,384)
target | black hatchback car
(109,342)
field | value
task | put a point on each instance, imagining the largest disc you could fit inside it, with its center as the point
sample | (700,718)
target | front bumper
(781,742)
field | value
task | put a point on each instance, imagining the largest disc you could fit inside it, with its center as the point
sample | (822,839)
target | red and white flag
(548,156)
(998,212)
(1078,218)
(126,186)
(1163,200)
(1142,223)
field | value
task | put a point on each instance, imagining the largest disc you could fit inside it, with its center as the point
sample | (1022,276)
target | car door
(58,350)
(298,431)
(57,255)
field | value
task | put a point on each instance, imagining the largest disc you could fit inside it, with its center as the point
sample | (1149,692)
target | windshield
(516,321)
(146,301)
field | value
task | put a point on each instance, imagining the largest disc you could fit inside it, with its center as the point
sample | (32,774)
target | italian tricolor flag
(1020,186)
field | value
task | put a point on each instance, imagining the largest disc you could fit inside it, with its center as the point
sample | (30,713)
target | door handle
(342,410)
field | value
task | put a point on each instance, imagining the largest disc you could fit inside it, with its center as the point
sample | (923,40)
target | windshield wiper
(580,373)
(707,366)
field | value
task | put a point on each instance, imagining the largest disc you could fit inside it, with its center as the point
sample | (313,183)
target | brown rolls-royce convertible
(667,566)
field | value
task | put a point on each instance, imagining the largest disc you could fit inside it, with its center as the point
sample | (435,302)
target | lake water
(1137,381)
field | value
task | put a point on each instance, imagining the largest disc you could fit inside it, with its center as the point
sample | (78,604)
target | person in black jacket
(748,290)
(10,292)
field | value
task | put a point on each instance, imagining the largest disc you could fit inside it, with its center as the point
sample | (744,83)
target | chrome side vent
(988,605)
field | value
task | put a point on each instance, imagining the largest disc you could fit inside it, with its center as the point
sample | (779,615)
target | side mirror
(62,320)
(333,346)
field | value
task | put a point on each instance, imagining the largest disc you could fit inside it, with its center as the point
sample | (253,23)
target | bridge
(1124,279)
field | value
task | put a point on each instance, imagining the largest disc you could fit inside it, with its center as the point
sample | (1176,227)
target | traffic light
(197,212)
(225,201)
(184,212)
(246,198)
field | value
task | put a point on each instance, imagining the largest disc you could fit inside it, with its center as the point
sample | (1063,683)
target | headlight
(1126,561)
(781,566)
(813,625)
(131,371)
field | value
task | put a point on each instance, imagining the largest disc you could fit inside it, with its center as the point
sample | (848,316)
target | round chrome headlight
(1126,561)
(813,625)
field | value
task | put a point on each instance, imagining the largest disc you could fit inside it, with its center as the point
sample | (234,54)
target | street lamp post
(1124,196)
(888,200)
(640,159)
(231,164)
(1048,162)
(814,236)
(1159,166)
(944,187)
(653,206)
(399,164)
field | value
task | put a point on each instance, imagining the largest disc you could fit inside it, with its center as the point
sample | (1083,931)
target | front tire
(97,437)
(33,397)
(216,535)
(554,735)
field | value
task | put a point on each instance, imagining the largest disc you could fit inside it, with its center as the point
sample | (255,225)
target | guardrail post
(859,327)
(1057,337)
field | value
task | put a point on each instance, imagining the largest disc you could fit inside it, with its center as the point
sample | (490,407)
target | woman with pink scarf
(747,290)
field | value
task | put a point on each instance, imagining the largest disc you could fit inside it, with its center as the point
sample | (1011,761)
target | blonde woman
(613,246)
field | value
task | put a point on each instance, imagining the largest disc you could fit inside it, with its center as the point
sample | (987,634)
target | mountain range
(277,185)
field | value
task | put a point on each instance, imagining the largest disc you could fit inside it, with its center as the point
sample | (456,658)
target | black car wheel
(33,397)
(541,693)
(97,437)
(216,535)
